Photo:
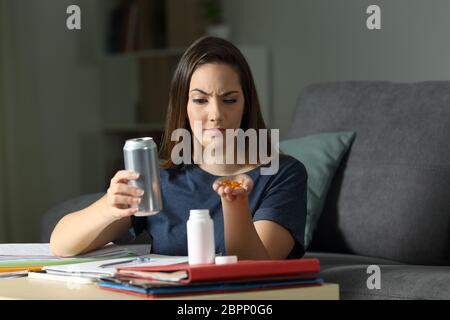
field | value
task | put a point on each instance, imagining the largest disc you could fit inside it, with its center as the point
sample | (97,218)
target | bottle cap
(199,213)
(226,259)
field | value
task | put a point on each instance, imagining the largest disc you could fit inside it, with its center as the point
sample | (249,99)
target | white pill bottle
(200,237)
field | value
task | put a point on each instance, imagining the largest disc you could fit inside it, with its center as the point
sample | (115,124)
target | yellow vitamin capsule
(231,184)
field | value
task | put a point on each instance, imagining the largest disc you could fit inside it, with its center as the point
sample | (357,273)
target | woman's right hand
(122,199)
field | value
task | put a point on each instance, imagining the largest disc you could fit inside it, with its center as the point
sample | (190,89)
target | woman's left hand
(233,187)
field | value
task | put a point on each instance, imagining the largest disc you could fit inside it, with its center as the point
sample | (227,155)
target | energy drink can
(141,156)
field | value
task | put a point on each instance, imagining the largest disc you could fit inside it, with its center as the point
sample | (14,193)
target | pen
(134,260)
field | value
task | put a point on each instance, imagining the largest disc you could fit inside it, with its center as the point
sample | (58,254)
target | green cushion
(321,154)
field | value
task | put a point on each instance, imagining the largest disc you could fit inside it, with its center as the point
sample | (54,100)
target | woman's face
(215,100)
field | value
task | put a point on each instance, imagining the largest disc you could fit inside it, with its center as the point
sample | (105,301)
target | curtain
(4,221)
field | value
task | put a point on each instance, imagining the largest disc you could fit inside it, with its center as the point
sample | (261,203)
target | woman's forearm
(86,230)
(241,237)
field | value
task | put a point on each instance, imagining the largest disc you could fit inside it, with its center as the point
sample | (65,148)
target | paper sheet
(94,268)
(41,251)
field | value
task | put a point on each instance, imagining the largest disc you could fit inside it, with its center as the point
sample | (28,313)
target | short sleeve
(138,225)
(284,202)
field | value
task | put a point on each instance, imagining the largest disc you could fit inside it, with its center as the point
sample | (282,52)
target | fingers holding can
(123,176)
(125,189)
(122,198)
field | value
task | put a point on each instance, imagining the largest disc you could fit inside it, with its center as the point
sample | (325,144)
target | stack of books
(183,279)
(18,258)
(132,270)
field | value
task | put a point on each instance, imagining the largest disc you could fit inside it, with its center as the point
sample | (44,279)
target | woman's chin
(215,140)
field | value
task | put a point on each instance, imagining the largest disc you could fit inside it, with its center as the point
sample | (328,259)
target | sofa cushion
(389,197)
(331,260)
(321,154)
(396,282)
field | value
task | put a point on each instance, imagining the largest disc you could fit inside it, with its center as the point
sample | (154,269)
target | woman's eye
(230,101)
(199,101)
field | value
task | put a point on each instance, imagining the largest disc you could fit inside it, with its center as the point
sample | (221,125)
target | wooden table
(36,289)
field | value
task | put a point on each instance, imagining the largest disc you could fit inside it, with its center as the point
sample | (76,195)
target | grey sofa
(389,203)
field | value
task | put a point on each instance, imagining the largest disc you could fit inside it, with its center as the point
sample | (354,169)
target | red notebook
(241,270)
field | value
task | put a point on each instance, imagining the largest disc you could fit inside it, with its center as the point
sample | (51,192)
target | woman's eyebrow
(201,91)
(209,94)
(228,93)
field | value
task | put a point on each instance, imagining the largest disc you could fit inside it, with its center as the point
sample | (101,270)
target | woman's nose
(215,111)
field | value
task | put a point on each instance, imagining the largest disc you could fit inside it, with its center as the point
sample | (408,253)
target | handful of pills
(231,184)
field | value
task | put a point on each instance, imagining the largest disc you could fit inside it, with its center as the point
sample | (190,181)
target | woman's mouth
(214,131)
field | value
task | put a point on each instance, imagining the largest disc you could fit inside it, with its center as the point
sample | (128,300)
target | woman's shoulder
(290,165)
(287,160)
(291,174)
(289,169)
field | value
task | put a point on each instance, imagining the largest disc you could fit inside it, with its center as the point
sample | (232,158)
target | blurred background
(70,98)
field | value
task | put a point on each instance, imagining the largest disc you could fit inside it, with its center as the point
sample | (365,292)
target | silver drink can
(141,156)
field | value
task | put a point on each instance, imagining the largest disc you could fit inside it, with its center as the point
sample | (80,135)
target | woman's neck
(226,169)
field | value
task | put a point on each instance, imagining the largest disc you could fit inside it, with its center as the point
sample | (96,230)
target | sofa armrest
(54,214)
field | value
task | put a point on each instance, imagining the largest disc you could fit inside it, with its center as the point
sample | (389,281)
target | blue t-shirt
(280,198)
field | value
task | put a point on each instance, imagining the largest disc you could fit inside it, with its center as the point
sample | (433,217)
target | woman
(263,218)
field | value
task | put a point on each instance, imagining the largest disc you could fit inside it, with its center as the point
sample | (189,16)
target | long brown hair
(203,51)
